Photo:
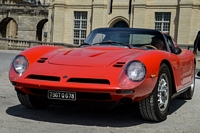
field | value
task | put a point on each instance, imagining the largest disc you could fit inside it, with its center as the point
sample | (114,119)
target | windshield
(135,37)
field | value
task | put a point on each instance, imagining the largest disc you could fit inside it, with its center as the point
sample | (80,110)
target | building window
(162,21)
(80,27)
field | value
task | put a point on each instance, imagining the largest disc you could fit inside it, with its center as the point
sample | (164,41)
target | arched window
(121,24)
(8,28)
(41,32)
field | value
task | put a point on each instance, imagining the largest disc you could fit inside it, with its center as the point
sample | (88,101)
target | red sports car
(122,65)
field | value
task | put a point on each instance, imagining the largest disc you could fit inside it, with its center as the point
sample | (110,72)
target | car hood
(92,56)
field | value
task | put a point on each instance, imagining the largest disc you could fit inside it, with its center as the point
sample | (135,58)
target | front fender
(33,53)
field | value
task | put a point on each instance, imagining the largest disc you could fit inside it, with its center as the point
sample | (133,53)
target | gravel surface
(184,115)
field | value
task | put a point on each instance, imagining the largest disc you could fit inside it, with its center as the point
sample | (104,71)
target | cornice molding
(104,6)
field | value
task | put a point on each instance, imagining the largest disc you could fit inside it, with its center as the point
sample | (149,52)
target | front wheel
(155,107)
(31,102)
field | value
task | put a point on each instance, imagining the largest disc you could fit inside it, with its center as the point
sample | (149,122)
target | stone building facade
(70,21)
(23,20)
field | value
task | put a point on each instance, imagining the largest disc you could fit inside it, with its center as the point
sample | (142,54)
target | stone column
(184,25)
(58,14)
(98,8)
(138,19)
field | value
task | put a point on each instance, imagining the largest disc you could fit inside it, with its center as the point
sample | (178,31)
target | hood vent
(42,60)
(119,64)
(89,80)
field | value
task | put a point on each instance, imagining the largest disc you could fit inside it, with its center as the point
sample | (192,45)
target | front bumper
(93,83)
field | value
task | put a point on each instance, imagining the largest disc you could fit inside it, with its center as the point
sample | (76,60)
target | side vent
(119,64)
(42,60)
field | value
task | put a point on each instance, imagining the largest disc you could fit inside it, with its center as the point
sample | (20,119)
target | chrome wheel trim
(192,87)
(163,92)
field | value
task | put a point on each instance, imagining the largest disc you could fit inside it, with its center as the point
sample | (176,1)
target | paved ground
(184,115)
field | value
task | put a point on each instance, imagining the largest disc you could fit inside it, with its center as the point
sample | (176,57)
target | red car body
(98,72)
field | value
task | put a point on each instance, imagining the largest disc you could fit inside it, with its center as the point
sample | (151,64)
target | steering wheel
(149,46)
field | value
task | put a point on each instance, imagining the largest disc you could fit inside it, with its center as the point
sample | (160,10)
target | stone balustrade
(17,44)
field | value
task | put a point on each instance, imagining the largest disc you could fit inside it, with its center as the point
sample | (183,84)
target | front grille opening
(42,60)
(89,80)
(93,96)
(119,64)
(38,91)
(42,77)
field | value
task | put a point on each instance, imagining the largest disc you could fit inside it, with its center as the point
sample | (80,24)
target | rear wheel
(155,107)
(31,102)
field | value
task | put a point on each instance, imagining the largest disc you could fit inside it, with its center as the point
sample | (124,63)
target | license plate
(62,95)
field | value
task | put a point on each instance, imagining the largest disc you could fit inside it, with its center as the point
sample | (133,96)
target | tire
(31,102)
(188,94)
(155,107)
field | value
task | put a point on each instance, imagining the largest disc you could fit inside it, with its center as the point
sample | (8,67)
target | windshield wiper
(114,42)
(85,44)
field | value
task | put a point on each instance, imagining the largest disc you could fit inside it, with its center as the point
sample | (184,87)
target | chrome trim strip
(180,91)
(184,88)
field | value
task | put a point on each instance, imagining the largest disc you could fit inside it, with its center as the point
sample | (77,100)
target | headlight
(135,71)
(20,63)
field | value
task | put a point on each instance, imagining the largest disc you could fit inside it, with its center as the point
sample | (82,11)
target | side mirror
(176,50)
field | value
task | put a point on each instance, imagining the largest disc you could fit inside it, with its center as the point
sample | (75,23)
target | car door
(186,66)
(185,63)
